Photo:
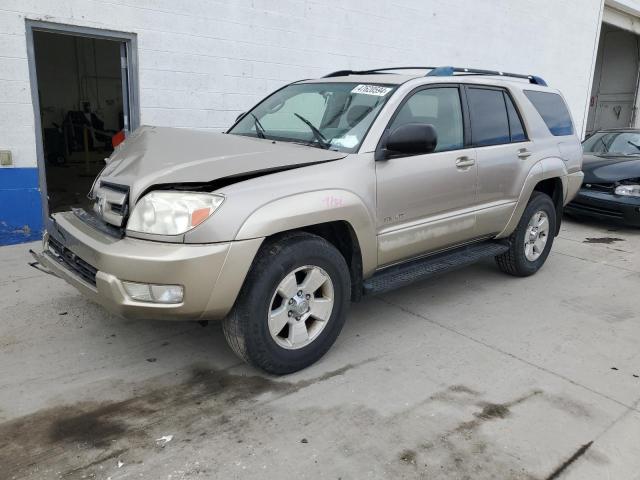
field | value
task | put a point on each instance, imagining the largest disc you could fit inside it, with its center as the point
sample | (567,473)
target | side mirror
(412,139)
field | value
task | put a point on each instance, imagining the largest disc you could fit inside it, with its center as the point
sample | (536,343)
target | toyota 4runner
(326,191)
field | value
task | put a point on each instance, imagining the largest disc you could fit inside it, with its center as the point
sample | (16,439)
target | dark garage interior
(81,108)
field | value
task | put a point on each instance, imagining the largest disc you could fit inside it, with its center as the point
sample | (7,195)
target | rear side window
(553,111)
(489,119)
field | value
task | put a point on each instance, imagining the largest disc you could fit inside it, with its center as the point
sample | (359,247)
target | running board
(420,269)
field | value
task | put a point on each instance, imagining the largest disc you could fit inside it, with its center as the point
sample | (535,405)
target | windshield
(334,116)
(613,143)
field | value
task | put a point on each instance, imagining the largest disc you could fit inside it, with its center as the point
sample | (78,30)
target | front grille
(74,263)
(115,208)
(115,186)
(111,203)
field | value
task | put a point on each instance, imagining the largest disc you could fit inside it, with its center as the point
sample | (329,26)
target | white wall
(202,61)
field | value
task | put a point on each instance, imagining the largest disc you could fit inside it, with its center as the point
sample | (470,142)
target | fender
(312,208)
(550,167)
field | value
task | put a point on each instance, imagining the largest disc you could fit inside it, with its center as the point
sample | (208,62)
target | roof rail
(450,71)
(342,73)
(441,72)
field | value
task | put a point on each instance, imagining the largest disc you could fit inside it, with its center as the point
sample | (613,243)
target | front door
(427,202)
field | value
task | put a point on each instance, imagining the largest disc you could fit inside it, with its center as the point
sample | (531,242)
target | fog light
(144,292)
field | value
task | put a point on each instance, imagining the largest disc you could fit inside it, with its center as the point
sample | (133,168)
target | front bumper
(96,264)
(606,206)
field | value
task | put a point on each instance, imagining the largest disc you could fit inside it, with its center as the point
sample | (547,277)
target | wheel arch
(554,188)
(341,235)
(338,216)
(548,176)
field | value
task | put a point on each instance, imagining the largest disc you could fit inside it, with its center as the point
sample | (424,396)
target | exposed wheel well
(553,188)
(342,236)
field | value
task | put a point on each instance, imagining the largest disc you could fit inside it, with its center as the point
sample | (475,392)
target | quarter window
(439,107)
(553,111)
(489,119)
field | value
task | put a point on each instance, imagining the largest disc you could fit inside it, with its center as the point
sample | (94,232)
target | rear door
(427,202)
(501,145)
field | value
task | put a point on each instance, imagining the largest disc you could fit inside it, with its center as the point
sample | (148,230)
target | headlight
(172,213)
(628,190)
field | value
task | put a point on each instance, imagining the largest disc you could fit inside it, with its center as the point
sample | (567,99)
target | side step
(406,273)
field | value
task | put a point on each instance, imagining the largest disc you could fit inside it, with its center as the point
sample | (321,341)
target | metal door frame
(129,70)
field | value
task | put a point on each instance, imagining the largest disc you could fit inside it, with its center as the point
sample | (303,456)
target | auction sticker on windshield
(377,90)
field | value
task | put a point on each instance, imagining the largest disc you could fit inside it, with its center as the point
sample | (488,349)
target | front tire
(531,242)
(292,305)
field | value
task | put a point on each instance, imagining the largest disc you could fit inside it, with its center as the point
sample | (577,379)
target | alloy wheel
(301,307)
(536,235)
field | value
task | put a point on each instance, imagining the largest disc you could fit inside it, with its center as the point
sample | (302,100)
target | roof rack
(442,72)
(449,71)
(343,73)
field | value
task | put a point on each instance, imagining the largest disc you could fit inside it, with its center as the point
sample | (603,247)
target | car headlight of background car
(628,190)
(172,213)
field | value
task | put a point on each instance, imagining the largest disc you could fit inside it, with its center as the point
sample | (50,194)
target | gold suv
(324,192)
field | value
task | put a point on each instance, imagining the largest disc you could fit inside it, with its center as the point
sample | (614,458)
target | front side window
(489,118)
(334,116)
(439,107)
(553,111)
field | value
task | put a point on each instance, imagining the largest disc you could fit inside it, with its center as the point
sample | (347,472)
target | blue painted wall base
(20,206)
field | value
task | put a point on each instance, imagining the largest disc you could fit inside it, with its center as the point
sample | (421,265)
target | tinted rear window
(553,111)
(489,121)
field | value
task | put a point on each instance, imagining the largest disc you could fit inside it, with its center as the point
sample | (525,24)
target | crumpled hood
(610,169)
(162,155)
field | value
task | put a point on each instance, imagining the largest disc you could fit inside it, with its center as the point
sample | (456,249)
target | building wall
(201,62)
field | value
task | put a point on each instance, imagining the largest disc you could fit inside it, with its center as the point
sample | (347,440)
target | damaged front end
(172,167)
(130,253)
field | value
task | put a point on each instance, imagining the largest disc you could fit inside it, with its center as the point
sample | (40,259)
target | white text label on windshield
(376,90)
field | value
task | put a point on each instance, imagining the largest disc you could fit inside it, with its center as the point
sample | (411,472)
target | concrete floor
(473,375)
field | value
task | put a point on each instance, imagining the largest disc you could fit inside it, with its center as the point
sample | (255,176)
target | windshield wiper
(260,131)
(633,144)
(606,147)
(308,144)
(316,133)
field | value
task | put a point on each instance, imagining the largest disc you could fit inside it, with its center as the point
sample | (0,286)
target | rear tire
(531,242)
(292,305)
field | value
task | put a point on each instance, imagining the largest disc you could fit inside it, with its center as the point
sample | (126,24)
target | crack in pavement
(567,463)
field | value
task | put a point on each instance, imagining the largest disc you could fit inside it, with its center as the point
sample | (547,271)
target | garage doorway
(615,81)
(83,86)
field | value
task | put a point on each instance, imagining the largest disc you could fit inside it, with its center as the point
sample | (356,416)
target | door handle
(464,163)
(523,154)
